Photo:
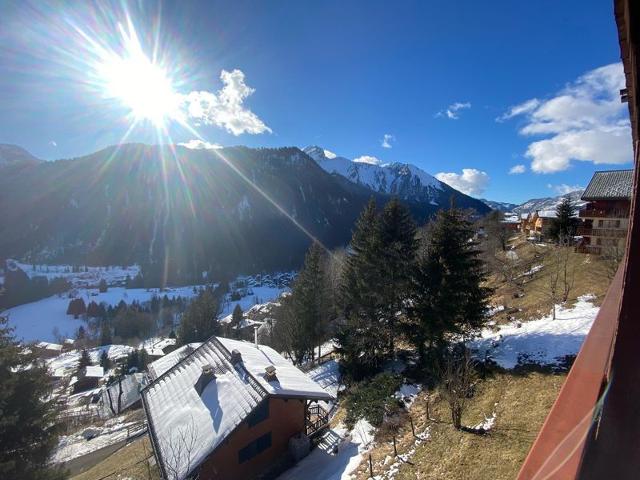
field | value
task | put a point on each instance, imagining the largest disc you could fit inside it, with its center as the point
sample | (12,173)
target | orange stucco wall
(286,418)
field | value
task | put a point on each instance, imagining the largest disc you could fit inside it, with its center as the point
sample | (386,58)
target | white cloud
(452,111)
(53,143)
(368,159)
(517,169)
(585,121)
(563,188)
(470,181)
(200,145)
(387,139)
(516,110)
(224,108)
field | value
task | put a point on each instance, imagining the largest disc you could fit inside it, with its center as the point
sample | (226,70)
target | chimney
(255,335)
(205,378)
(235,357)
(270,374)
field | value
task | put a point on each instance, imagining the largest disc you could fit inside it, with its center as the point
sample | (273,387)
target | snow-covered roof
(131,386)
(547,214)
(49,346)
(94,371)
(292,382)
(165,363)
(178,413)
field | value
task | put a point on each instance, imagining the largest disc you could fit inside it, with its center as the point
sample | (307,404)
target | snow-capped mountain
(549,203)
(406,181)
(500,206)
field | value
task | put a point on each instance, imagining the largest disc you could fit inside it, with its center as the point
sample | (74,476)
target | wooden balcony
(557,452)
(602,232)
(602,213)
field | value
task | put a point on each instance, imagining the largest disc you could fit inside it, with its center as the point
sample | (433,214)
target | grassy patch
(521,403)
(128,462)
(590,277)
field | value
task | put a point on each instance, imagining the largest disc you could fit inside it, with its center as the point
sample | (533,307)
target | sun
(139,83)
(143,87)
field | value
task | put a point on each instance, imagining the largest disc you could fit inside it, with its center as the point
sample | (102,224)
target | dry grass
(521,403)
(128,462)
(590,277)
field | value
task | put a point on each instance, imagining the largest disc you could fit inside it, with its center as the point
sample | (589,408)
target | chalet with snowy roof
(89,378)
(47,350)
(606,214)
(231,409)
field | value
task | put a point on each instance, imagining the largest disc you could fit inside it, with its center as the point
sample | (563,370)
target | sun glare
(139,83)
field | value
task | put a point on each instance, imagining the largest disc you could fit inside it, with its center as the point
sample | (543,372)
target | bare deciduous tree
(178,453)
(612,256)
(458,377)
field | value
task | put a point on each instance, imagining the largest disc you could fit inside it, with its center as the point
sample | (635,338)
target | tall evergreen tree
(85,361)
(200,319)
(361,340)
(302,320)
(310,299)
(398,244)
(448,296)
(28,427)
(565,223)
(236,321)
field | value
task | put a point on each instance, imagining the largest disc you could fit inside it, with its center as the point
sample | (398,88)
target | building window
(254,448)
(600,223)
(259,414)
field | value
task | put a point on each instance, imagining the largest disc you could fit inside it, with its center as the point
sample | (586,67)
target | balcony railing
(602,232)
(557,451)
(317,418)
(602,213)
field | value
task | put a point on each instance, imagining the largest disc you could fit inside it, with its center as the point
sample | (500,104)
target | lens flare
(141,84)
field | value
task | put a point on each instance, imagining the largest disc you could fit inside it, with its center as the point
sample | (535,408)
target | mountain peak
(404,180)
(319,153)
(15,155)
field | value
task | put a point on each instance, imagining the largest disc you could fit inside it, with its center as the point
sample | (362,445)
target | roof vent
(236,357)
(205,378)
(270,374)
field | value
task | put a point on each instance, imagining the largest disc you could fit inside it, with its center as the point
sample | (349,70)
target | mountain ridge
(178,212)
(404,180)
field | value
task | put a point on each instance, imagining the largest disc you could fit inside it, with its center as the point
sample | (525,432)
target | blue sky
(440,78)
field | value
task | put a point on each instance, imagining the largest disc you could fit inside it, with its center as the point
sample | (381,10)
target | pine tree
(361,340)
(28,430)
(105,361)
(448,295)
(565,223)
(102,286)
(105,334)
(309,299)
(236,321)
(199,321)
(397,262)
(85,361)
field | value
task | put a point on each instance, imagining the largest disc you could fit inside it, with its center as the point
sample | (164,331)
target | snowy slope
(36,320)
(548,203)
(544,341)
